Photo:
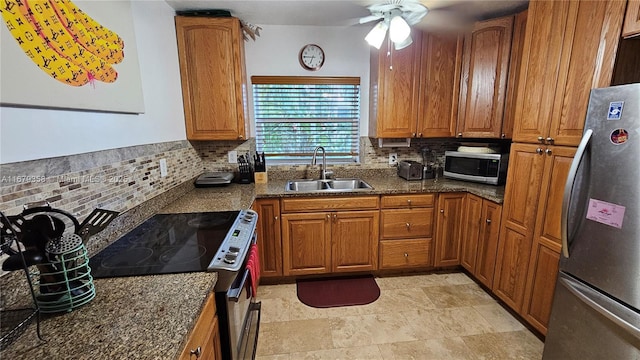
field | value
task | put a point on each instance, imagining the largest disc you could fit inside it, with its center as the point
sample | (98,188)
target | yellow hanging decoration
(63,41)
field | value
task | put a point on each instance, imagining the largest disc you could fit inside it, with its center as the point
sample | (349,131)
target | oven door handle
(234,293)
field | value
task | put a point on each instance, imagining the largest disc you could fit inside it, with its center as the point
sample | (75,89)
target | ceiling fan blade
(369,18)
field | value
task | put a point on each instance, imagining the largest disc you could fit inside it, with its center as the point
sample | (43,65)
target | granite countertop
(138,317)
(150,317)
(390,185)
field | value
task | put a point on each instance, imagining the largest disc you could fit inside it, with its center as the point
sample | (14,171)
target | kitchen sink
(304,185)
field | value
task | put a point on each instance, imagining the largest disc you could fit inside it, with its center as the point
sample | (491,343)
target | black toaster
(410,170)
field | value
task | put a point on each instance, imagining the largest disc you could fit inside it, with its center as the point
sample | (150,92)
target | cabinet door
(545,253)
(211,54)
(488,242)
(204,338)
(448,229)
(485,68)
(471,231)
(354,237)
(439,85)
(539,69)
(541,283)
(588,58)
(306,243)
(269,236)
(526,167)
(517,44)
(394,78)
(632,19)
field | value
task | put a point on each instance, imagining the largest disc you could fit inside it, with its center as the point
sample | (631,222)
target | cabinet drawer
(409,223)
(396,254)
(330,203)
(407,200)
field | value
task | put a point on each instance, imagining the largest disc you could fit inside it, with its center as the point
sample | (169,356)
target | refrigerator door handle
(585,294)
(568,189)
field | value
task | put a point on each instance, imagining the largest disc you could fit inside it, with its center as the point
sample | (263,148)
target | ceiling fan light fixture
(399,30)
(376,36)
(401,45)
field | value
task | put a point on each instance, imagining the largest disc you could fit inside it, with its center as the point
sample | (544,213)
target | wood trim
(632,19)
(304,80)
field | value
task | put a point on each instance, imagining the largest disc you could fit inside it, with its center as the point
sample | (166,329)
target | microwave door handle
(568,189)
(234,293)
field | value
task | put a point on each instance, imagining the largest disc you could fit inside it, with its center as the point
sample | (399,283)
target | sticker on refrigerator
(619,136)
(615,110)
(606,213)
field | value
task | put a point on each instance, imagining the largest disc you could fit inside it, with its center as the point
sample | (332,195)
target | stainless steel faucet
(323,171)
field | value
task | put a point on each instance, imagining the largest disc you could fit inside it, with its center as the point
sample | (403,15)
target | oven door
(244,318)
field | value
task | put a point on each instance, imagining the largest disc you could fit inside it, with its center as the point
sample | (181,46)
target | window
(295,114)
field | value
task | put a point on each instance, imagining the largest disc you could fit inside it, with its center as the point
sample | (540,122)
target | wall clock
(311,57)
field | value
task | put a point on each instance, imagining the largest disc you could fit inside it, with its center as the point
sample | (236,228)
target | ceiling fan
(397,16)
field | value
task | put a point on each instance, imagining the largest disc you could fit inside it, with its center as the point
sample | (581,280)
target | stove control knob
(230,258)
(234,250)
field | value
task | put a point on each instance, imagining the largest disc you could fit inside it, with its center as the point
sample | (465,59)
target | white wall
(28,134)
(275,52)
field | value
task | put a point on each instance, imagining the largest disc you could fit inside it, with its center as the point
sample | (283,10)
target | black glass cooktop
(165,244)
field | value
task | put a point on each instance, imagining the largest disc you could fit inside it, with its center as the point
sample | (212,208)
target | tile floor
(436,316)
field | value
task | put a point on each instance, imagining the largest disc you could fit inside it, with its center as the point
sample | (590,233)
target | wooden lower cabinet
(406,231)
(269,236)
(480,238)
(306,243)
(321,242)
(204,340)
(541,283)
(448,229)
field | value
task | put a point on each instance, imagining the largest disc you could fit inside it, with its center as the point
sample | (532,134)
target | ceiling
(442,13)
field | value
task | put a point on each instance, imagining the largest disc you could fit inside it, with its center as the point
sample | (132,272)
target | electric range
(179,243)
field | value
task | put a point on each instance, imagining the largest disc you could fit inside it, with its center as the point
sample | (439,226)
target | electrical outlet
(393,158)
(163,167)
(233,157)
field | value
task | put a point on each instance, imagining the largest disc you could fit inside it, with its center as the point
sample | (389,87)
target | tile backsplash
(117,179)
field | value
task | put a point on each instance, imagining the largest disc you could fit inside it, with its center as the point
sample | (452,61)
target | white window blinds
(293,115)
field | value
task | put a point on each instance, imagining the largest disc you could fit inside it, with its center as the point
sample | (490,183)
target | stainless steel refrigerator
(596,306)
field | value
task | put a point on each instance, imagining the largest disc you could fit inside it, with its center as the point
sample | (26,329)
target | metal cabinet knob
(406,255)
(275,218)
(328,217)
(240,137)
(488,221)
(503,135)
(459,134)
(413,134)
(549,140)
(197,352)
(539,151)
(409,201)
(540,139)
(419,134)
(408,226)
(548,151)
(442,211)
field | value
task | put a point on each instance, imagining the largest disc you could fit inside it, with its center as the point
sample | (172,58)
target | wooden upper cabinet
(517,44)
(441,60)
(394,95)
(212,71)
(570,48)
(485,68)
(632,19)
(414,91)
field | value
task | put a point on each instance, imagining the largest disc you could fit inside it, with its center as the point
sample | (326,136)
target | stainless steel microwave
(478,167)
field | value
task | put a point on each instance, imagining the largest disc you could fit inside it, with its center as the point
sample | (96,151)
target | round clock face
(311,57)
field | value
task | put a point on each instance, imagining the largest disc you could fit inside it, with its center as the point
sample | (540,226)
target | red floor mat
(334,292)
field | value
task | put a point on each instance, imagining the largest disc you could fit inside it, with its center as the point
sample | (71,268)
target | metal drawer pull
(197,352)
(406,255)
(488,221)
(539,151)
(408,226)
(442,211)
